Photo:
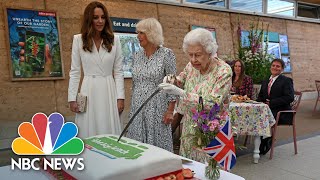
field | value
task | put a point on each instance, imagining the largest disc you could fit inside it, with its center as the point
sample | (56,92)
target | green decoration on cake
(113,149)
(113,137)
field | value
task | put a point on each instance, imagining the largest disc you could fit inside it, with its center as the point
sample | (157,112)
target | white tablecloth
(198,168)
(8,174)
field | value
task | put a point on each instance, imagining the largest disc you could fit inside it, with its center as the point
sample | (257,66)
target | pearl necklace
(209,68)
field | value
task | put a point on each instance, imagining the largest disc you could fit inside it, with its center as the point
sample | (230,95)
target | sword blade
(137,112)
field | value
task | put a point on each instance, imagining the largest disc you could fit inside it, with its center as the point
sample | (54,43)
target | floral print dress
(147,74)
(213,85)
(246,87)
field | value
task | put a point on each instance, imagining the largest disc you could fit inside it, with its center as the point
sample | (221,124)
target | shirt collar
(274,78)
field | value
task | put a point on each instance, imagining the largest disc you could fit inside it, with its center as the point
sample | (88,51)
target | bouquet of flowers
(207,124)
(254,53)
(213,135)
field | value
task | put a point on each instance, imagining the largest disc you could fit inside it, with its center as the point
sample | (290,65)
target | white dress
(103,84)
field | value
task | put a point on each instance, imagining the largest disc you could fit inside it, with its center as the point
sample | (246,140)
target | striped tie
(269,86)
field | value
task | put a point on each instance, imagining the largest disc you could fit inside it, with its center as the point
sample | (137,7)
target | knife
(137,112)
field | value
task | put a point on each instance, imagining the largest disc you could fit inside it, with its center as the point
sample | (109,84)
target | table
(254,119)
(7,173)
(199,169)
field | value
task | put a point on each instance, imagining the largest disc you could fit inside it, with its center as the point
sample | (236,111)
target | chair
(294,105)
(255,91)
(318,98)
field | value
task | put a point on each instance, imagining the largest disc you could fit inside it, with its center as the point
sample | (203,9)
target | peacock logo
(47,136)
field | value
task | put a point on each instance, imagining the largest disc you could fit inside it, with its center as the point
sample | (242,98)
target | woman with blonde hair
(150,65)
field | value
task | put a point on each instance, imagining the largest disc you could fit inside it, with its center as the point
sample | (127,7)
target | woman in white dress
(98,51)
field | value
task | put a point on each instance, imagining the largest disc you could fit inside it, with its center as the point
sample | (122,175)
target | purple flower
(205,128)
(195,116)
(203,115)
(214,110)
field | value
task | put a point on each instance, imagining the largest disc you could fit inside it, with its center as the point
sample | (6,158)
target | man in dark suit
(278,93)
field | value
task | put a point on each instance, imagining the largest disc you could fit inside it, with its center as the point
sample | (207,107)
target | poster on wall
(272,37)
(274,49)
(126,30)
(284,46)
(245,42)
(212,30)
(33,45)
(130,45)
(287,63)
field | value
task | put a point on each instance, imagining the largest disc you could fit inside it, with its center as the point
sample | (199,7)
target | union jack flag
(222,148)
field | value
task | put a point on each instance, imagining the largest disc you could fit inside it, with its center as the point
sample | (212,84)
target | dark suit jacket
(281,95)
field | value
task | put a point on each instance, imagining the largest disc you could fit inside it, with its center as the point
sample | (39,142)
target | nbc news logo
(47,136)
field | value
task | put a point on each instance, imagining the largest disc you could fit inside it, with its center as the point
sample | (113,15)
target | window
(247,5)
(308,11)
(221,3)
(280,7)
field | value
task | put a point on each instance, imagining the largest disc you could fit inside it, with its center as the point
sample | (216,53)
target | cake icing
(105,158)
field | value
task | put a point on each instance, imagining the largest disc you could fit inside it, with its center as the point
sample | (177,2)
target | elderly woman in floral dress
(204,76)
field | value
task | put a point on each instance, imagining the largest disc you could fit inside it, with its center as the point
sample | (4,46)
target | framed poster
(129,44)
(272,37)
(245,42)
(284,46)
(274,49)
(212,30)
(287,63)
(33,45)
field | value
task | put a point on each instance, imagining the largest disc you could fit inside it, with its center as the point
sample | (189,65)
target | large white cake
(105,158)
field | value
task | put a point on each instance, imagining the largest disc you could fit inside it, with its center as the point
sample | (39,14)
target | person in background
(150,65)
(204,76)
(241,83)
(99,53)
(277,92)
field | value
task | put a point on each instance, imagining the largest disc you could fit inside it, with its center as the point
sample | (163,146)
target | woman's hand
(74,106)
(168,117)
(172,79)
(172,89)
(120,104)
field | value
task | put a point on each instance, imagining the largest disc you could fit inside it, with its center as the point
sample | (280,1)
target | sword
(137,112)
